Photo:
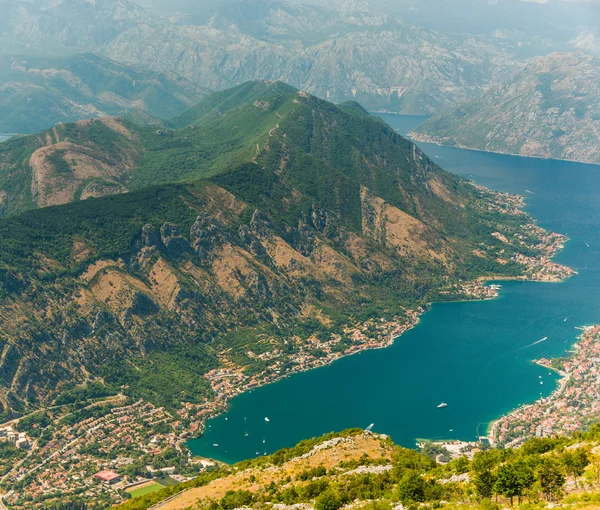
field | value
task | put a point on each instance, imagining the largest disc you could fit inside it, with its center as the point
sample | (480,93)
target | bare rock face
(175,244)
(150,237)
(205,235)
(551,109)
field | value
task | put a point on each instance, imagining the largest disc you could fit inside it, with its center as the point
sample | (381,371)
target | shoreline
(417,138)
(189,419)
(538,269)
(555,415)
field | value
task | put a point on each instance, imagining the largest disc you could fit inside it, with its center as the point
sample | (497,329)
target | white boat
(443,404)
(267,419)
(215,444)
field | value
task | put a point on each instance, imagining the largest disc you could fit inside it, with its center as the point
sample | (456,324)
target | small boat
(267,419)
(587,244)
(215,444)
(246,434)
(443,404)
(264,441)
(565,319)
(531,192)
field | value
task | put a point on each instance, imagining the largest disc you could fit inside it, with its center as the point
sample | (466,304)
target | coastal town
(116,448)
(574,405)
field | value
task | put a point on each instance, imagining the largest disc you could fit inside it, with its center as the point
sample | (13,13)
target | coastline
(536,269)
(434,141)
(556,414)
(188,421)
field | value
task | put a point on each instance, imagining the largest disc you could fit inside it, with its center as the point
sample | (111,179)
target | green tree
(328,500)
(513,479)
(236,499)
(575,461)
(484,483)
(411,487)
(551,479)
(483,465)
(461,465)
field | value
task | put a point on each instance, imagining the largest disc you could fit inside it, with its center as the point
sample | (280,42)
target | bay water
(475,356)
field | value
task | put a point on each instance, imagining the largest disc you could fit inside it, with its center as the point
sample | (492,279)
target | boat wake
(535,343)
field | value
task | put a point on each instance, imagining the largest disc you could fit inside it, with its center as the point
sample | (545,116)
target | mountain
(551,109)
(37,93)
(51,27)
(260,219)
(380,61)
(341,52)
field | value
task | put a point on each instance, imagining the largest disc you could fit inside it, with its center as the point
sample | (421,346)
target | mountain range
(551,109)
(37,92)
(339,54)
(257,219)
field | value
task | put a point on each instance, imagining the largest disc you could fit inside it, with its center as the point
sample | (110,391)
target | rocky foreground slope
(551,109)
(355,469)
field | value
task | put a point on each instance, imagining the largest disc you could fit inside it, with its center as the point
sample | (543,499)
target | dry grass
(351,448)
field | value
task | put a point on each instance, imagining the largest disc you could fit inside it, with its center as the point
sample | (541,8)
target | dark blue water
(475,356)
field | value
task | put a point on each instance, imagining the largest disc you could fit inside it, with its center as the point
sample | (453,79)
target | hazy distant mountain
(380,61)
(551,109)
(36,93)
(535,27)
(54,26)
(337,51)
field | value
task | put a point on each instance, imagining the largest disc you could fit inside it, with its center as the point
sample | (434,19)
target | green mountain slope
(266,222)
(37,93)
(548,110)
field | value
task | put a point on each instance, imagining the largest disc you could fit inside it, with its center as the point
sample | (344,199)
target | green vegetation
(148,489)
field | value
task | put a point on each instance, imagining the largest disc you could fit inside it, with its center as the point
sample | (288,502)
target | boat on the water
(443,404)
(215,444)
(267,419)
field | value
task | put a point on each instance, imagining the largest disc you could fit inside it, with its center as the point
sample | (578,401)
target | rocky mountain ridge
(340,54)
